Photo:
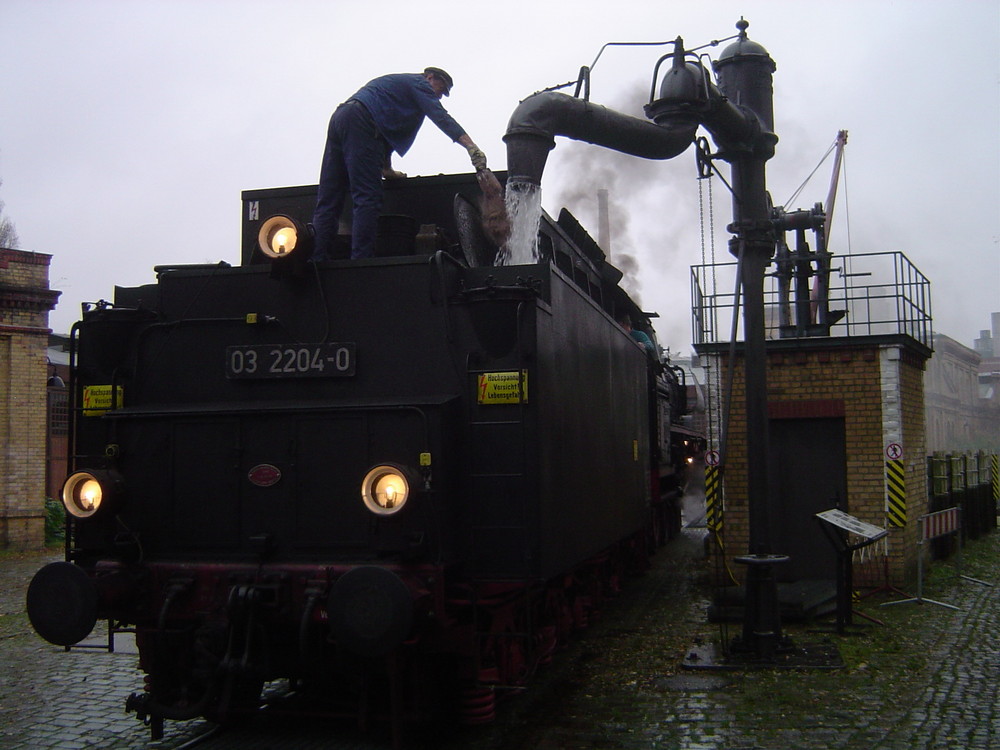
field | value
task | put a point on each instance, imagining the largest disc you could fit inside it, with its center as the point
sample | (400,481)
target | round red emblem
(264,475)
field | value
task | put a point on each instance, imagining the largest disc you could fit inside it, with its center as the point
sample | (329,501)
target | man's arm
(435,111)
(475,154)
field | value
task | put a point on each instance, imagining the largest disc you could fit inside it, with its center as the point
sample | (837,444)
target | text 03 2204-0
(290,361)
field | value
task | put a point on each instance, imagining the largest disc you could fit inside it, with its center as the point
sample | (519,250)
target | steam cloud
(653,216)
(590,169)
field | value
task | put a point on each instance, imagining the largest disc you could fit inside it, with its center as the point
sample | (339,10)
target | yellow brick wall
(851,375)
(25,302)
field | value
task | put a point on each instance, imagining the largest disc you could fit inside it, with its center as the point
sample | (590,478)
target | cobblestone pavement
(926,678)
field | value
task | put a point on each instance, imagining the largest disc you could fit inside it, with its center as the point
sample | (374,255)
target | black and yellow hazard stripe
(714,514)
(995,475)
(895,483)
(713,501)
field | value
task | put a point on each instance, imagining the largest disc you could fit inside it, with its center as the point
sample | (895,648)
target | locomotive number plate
(291,361)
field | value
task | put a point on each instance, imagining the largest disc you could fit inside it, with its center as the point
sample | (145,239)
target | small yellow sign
(97,399)
(503,387)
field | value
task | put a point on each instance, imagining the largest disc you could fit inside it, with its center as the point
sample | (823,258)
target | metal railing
(879,294)
(965,479)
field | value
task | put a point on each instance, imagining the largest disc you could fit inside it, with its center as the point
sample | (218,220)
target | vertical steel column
(745,71)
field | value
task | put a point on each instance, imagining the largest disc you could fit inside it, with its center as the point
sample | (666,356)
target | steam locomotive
(398,483)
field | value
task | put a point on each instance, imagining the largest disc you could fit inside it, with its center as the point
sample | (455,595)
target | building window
(58,412)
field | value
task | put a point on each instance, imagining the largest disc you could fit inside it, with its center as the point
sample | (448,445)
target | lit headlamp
(385,489)
(90,493)
(280,235)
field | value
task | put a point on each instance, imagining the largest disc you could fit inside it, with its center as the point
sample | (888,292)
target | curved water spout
(539,118)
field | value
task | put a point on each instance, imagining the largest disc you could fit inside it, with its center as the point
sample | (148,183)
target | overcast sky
(129,128)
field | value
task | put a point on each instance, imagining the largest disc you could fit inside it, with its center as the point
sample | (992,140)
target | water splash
(523,201)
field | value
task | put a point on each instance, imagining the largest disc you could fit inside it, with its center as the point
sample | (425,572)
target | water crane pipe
(739,115)
(539,118)
(687,100)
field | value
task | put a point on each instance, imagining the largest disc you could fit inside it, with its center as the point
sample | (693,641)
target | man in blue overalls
(382,117)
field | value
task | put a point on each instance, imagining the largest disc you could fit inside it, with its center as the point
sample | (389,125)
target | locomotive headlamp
(385,489)
(279,236)
(88,493)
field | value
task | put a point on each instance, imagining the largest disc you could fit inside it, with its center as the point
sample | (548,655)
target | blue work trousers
(353,159)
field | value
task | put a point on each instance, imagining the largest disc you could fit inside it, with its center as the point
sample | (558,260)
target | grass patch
(55,522)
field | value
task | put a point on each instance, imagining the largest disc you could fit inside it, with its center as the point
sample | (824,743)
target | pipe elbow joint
(538,119)
(739,130)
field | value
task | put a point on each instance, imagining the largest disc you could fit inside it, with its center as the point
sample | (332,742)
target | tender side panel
(592,400)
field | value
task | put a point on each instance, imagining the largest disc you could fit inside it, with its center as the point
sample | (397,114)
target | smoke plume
(653,215)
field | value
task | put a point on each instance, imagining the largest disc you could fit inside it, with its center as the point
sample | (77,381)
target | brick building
(25,302)
(836,406)
(845,418)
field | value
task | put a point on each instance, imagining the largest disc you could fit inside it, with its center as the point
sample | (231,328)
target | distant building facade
(988,343)
(57,448)
(962,392)
(989,374)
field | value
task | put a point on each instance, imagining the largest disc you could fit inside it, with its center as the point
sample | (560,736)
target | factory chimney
(603,223)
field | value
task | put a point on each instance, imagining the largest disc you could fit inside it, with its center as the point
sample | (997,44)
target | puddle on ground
(691,682)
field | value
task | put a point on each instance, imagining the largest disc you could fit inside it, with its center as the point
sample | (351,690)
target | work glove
(478,158)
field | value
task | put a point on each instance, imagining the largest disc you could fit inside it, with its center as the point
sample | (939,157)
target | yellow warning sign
(503,387)
(97,399)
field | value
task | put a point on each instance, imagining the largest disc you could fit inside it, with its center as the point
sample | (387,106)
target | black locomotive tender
(408,476)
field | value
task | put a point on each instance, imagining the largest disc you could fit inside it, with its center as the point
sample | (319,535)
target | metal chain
(713,380)
(709,384)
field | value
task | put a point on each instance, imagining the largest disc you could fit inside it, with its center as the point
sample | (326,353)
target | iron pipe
(539,118)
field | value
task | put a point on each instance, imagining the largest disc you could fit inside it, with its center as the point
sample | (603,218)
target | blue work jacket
(398,103)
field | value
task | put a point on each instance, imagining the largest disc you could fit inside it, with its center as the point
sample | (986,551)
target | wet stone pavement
(927,678)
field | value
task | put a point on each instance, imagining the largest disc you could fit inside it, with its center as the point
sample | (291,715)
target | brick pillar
(904,443)
(25,302)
